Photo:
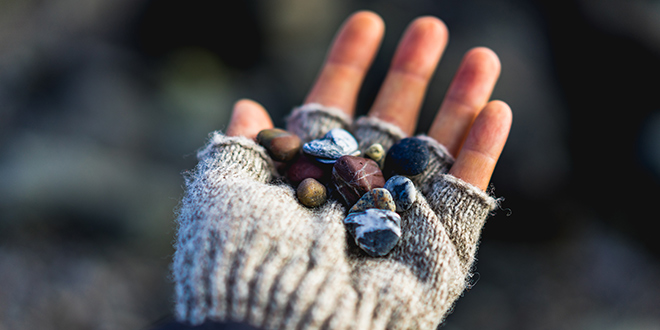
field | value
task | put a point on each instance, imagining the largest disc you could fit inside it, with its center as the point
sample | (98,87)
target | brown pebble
(354,176)
(312,193)
(281,145)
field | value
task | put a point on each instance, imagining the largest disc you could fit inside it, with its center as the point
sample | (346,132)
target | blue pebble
(334,144)
(326,160)
(409,156)
(403,192)
(375,231)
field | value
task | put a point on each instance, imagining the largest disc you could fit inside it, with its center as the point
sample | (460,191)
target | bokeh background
(103,104)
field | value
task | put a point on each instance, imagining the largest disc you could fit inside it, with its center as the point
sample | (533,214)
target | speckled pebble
(354,176)
(375,231)
(282,146)
(377,198)
(334,144)
(377,153)
(403,192)
(409,156)
(312,193)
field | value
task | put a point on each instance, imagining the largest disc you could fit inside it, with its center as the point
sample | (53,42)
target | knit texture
(248,251)
(311,121)
(369,130)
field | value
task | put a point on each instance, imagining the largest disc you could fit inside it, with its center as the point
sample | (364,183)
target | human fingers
(468,93)
(248,119)
(347,62)
(401,95)
(476,161)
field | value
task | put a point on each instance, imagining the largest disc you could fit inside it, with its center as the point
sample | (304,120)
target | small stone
(375,231)
(354,176)
(377,198)
(403,192)
(304,168)
(334,144)
(325,160)
(409,156)
(377,153)
(312,193)
(281,145)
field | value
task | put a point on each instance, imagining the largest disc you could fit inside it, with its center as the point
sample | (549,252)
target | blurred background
(104,103)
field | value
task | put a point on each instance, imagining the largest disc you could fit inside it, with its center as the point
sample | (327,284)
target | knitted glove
(248,251)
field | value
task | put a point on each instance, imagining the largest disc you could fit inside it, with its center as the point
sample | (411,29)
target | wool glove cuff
(370,130)
(234,156)
(311,121)
(463,209)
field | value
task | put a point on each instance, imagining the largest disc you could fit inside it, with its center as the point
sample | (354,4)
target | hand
(472,128)
(272,262)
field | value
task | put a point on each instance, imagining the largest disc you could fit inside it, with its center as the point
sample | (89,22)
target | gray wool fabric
(248,251)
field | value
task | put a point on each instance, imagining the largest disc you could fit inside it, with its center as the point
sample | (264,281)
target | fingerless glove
(248,251)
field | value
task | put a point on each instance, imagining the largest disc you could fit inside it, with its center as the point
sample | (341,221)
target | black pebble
(409,156)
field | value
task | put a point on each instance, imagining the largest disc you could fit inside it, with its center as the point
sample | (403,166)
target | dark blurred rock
(53,284)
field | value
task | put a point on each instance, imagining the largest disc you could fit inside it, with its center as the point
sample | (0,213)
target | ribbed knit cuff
(311,121)
(236,155)
(439,163)
(463,209)
(370,130)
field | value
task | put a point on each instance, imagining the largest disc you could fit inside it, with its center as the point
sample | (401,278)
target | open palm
(472,128)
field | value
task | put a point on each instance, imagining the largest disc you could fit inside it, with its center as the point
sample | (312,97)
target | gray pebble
(375,231)
(403,192)
(334,144)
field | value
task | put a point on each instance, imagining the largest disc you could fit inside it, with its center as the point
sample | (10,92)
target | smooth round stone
(375,231)
(304,168)
(354,176)
(377,198)
(311,193)
(334,144)
(403,192)
(409,156)
(281,145)
(377,153)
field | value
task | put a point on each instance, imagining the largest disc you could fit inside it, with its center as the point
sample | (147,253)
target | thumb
(248,119)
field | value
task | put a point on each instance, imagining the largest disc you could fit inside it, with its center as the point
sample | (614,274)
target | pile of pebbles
(332,167)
